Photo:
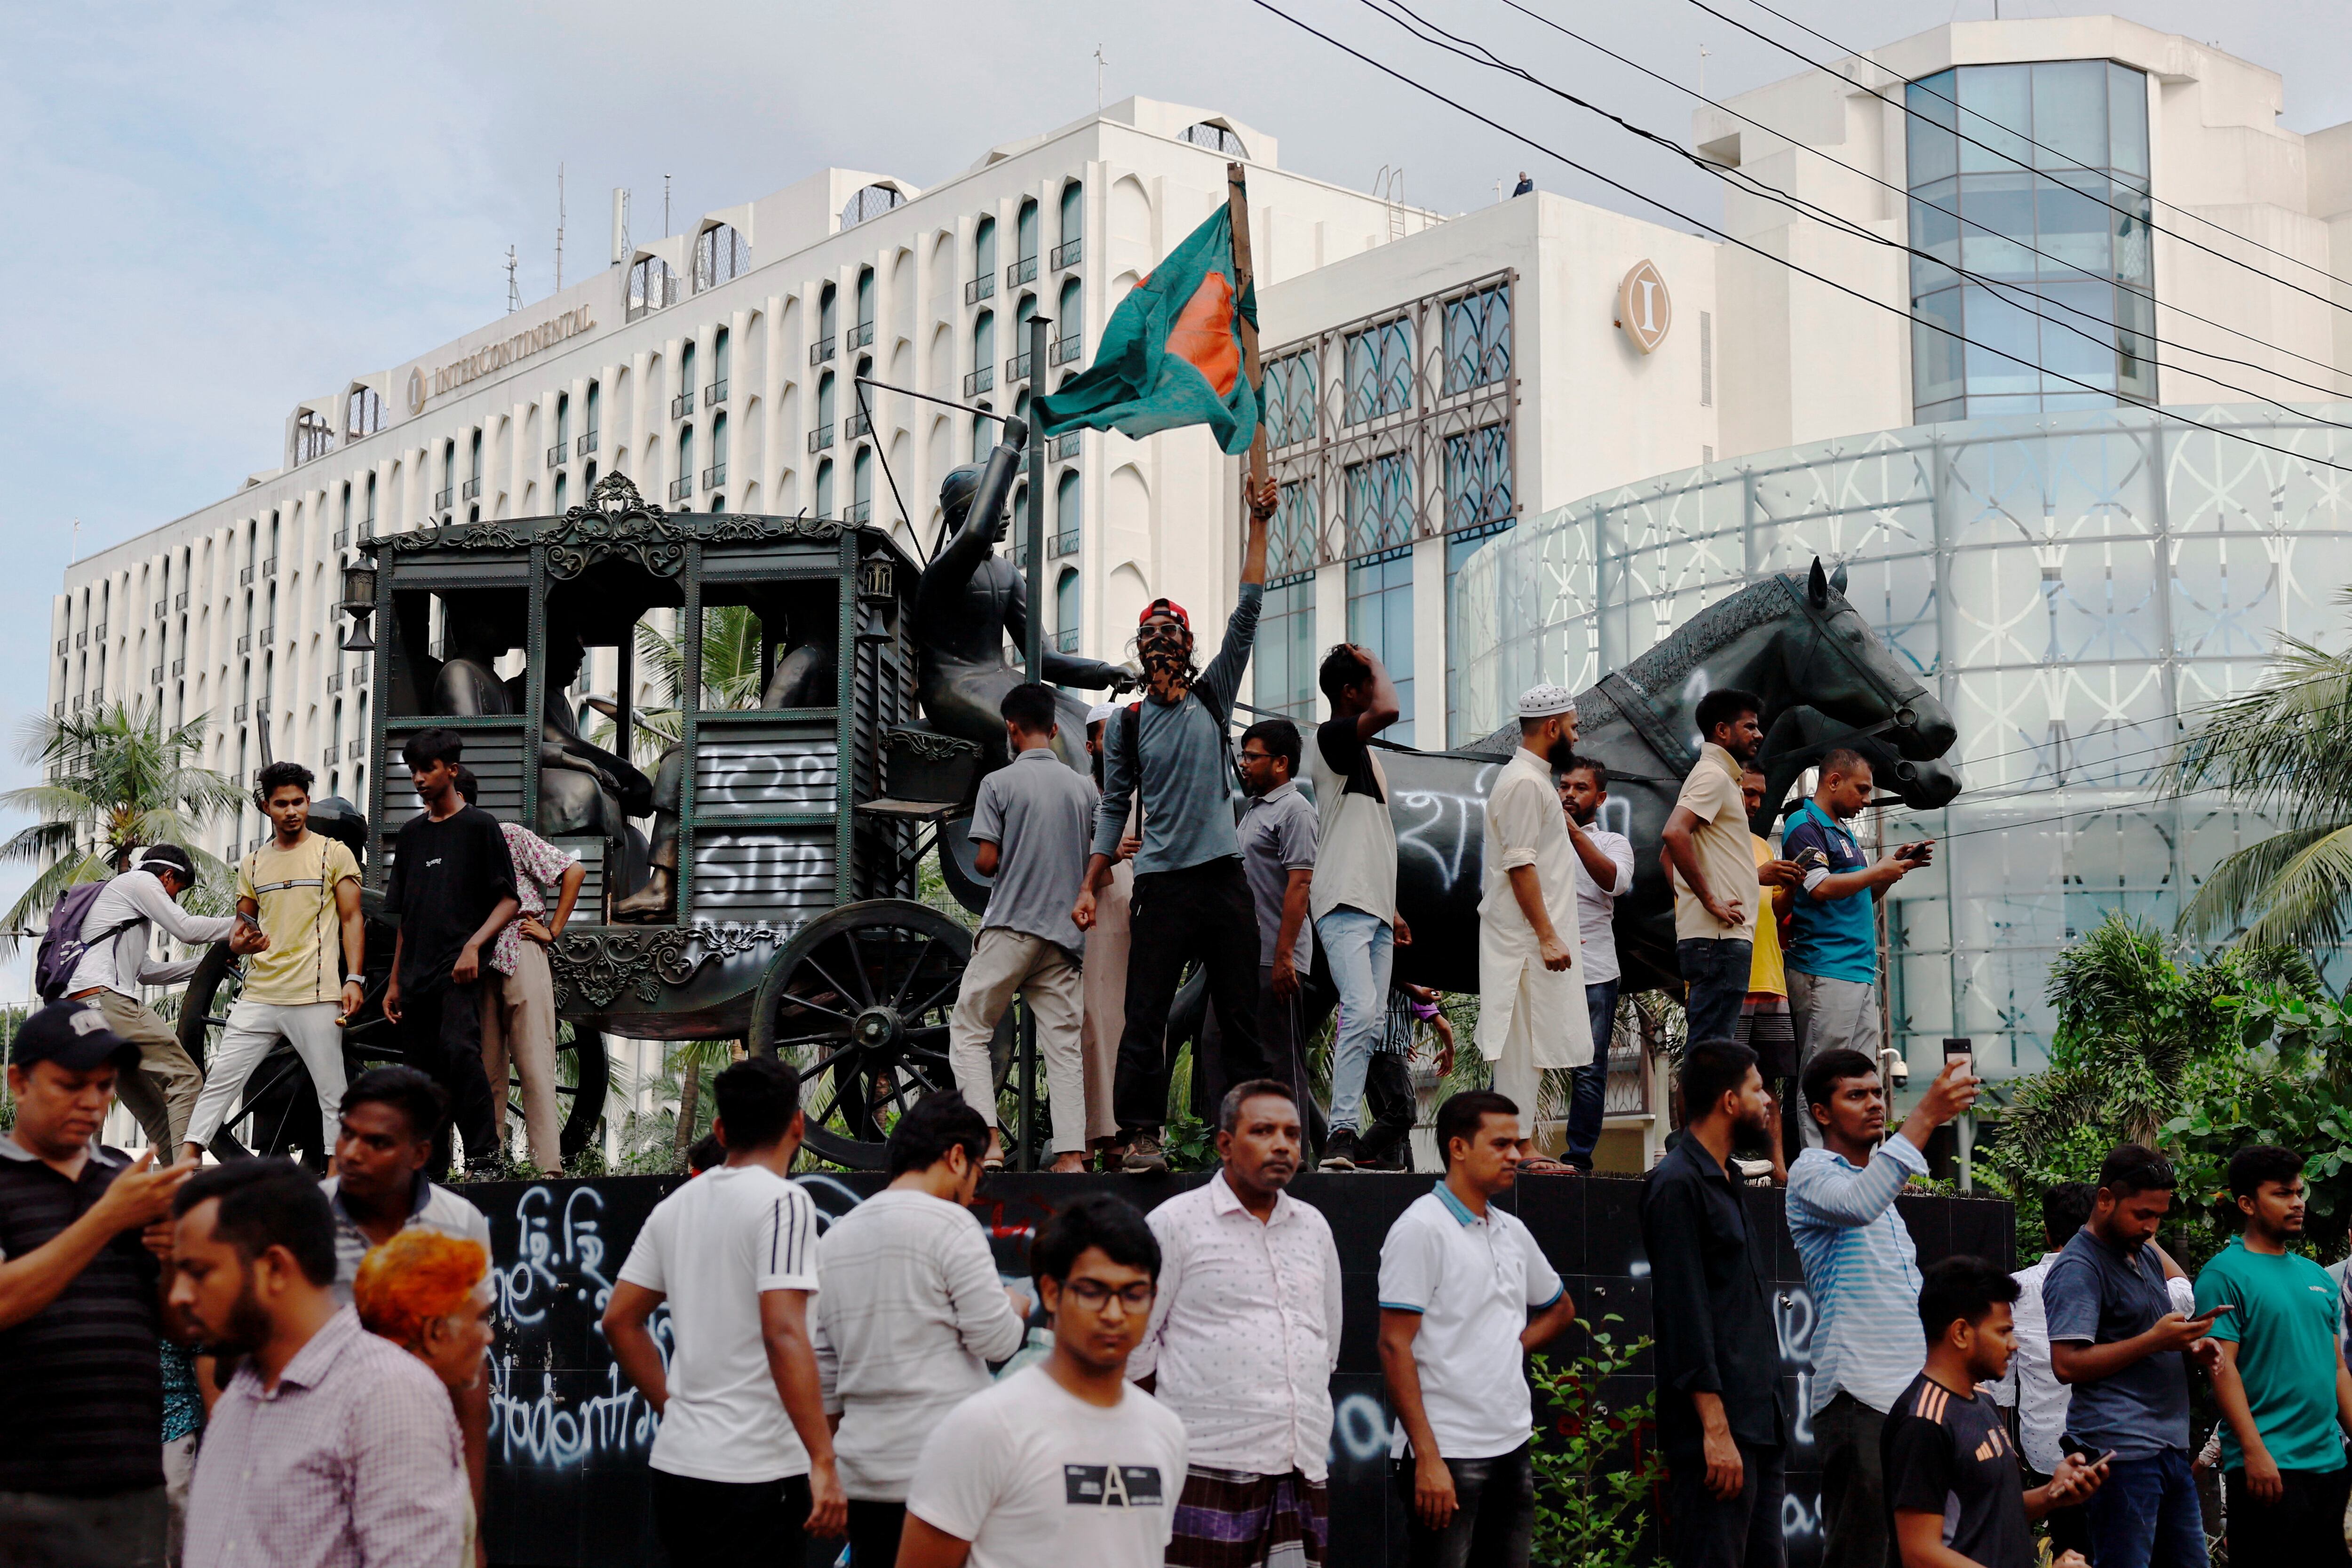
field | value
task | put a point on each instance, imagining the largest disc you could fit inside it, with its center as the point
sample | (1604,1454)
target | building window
(653,286)
(1286,627)
(1024,239)
(1459,548)
(1066,597)
(824,405)
(1070,315)
(828,322)
(1216,138)
(686,458)
(862,334)
(1289,399)
(717,474)
(1379,367)
(1478,338)
(2056,162)
(983,283)
(559,477)
(562,425)
(364,415)
(983,354)
(718,366)
(367,523)
(984,434)
(870,202)
(861,487)
(685,404)
(1379,618)
(721,256)
(1068,497)
(824,487)
(1478,477)
(1379,499)
(1074,226)
(313,437)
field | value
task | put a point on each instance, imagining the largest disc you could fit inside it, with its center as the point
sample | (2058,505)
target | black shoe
(1339,1154)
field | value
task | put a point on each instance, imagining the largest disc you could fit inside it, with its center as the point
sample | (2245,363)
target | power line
(2329,392)
(1729,238)
(1955,129)
(1742,180)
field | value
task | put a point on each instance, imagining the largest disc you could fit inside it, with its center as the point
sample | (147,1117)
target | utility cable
(2025,299)
(2331,393)
(1730,238)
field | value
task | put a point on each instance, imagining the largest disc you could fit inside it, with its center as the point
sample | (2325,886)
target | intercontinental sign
(492,358)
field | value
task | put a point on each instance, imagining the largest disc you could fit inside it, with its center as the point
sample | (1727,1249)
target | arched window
(588,437)
(313,437)
(717,390)
(588,480)
(685,380)
(367,523)
(559,477)
(982,285)
(871,201)
(685,484)
(1069,319)
(473,472)
(562,425)
(1025,259)
(1023,314)
(364,417)
(861,486)
(984,434)
(1067,593)
(862,334)
(824,487)
(1074,226)
(825,403)
(1214,137)
(721,256)
(983,354)
(716,473)
(653,286)
(1066,499)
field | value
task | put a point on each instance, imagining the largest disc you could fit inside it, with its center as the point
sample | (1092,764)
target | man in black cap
(79,1301)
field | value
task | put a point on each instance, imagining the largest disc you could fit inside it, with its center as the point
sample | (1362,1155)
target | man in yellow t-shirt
(1765,1026)
(302,889)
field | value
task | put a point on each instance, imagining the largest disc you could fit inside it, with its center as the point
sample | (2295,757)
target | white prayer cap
(1100,713)
(1543,701)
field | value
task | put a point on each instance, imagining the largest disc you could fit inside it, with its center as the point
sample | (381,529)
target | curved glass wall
(2034,178)
(2069,585)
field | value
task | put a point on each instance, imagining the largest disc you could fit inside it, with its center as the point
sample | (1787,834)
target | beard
(250,1325)
(1563,755)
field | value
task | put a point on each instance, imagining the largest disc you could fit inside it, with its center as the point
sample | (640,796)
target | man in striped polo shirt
(1864,1275)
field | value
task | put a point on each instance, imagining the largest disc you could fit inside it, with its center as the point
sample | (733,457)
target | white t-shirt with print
(1029,1473)
(712,1247)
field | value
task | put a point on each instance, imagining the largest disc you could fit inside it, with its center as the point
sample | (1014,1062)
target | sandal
(991,1164)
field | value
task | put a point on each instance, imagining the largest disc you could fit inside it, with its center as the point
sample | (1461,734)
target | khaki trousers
(1105,992)
(163,1093)
(1005,962)
(519,1024)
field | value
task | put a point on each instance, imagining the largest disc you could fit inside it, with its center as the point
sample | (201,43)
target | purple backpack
(63,945)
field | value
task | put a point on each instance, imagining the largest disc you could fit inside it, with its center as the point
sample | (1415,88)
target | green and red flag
(1172,354)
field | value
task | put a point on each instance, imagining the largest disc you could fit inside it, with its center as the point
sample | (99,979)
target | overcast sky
(219,209)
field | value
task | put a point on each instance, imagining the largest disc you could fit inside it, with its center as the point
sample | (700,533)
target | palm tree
(2280,749)
(113,779)
(730,675)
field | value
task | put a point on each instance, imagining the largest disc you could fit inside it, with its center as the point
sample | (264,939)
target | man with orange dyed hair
(429,1293)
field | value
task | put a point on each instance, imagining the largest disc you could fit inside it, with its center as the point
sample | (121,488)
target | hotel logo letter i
(1644,310)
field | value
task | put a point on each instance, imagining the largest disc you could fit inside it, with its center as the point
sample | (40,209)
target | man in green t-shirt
(2281,1382)
(302,889)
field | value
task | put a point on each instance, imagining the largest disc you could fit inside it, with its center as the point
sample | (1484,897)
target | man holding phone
(2116,1339)
(1833,947)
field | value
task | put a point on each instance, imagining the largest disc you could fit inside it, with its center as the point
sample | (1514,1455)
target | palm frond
(2306,900)
(2237,886)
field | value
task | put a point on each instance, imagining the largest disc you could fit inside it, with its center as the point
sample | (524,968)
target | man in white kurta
(1531,1013)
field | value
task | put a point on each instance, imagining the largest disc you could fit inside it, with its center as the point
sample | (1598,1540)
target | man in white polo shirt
(1459,1279)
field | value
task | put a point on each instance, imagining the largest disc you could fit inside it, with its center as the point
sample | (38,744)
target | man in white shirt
(1459,1279)
(2030,1388)
(1064,1463)
(1243,1342)
(1532,1003)
(119,927)
(911,1313)
(1605,874)
(744,1465)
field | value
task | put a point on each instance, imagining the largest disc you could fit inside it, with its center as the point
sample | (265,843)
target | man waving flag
(1181,349)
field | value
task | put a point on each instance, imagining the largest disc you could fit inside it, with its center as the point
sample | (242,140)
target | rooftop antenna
(620,226)
(514,289)
(559,228)
(1098,78)
(665,206)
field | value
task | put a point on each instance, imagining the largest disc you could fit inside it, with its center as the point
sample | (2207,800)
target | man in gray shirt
(1192,899)
(1029,829)
(1279,835)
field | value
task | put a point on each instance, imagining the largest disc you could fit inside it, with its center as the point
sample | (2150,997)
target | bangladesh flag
(1172,354)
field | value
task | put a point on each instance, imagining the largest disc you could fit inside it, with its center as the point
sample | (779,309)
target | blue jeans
(1588,1100)
(1715,974)
(1361,949)
(2146,1516)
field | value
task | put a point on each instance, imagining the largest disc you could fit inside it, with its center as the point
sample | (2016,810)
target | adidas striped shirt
(1950,1454)
(713,1248)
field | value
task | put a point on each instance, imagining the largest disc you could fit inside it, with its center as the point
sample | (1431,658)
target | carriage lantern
(358,603)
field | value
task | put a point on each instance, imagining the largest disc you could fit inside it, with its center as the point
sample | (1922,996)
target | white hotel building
(2073,572)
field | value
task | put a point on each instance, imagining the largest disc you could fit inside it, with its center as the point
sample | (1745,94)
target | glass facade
(2033,179)
(1284,658)
(2070,586)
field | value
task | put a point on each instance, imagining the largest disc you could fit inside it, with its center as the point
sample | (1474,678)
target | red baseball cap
(1167,608)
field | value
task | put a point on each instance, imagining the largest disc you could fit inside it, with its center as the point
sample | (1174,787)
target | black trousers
(2304,1527)
(1705,1531)
(704,1524)
(1389,1109)
(1201,913)
(441,1035)
(1494,1518)
(874,1529)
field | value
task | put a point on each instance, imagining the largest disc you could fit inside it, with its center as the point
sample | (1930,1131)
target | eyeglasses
(1093,1295)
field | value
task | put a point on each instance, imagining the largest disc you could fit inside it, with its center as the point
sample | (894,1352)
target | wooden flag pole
(1237,208)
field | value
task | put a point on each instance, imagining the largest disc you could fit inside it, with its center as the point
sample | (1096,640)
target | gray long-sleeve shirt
(120,963)
(1188,815)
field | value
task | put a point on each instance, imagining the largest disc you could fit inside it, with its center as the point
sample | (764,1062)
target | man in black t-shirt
(452,889)
(1956,1494)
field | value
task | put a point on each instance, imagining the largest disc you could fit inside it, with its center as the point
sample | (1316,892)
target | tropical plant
(1595,1464)
(730,675)
(113,778)
(2280,749)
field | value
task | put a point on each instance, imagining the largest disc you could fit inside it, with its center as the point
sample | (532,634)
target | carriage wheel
(858,1006)
(278,1107)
